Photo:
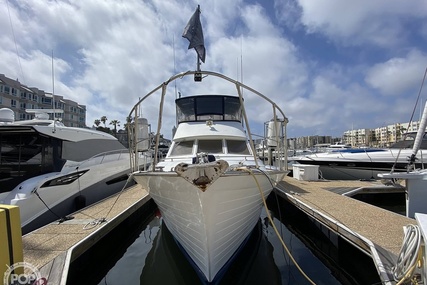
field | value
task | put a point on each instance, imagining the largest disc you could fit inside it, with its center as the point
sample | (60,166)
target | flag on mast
(194,34)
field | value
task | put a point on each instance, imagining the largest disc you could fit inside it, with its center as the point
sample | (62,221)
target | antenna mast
(53,97)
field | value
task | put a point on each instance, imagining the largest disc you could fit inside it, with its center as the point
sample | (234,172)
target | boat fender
(80,202)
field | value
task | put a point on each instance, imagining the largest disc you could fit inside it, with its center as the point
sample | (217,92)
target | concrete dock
(53,247)
(377,231)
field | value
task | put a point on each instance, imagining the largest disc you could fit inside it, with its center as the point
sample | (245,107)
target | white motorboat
(50,170)
(211,185)
(365,163)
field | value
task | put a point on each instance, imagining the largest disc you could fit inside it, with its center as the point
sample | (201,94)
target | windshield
(409,142)
(25,154)
(205,107)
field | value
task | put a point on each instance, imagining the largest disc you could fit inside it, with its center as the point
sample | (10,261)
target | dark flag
(194,33)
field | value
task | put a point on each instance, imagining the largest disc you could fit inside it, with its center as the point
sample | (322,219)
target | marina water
(142,251)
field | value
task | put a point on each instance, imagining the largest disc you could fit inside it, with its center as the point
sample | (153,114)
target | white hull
(50,170)
(349,173)
(98,182)
(210,225)
(208,187)
(359,165)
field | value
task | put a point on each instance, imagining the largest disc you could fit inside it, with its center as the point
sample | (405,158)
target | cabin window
(204,107)
(25,154)
(210,146)
(237,147)
(182,148)
(209,106)
(232,109)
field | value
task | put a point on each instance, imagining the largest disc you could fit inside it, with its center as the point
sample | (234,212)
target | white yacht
(366,163)
(211,186)
(50,170)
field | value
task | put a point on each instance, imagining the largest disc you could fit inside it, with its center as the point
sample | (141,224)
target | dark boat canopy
(205,107)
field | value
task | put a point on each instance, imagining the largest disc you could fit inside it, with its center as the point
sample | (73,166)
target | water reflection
(166,264)
(153,257)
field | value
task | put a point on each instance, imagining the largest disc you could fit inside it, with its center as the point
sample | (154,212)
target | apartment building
(18,98)
(379,137)
(361,137)
(309,142)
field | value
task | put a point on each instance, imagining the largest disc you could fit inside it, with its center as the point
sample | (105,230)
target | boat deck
(377,231)
(53,247)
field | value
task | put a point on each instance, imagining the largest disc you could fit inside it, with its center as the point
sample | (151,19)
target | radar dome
(7,115)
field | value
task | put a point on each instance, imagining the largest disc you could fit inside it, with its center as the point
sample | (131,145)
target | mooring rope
(273,225)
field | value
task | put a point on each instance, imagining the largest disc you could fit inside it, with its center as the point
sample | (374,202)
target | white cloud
(398,75)
(108,53)
(381,22)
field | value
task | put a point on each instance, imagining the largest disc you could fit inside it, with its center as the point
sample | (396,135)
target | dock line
(89,239)
(118,196)
(410,255)
(272,222)
(98,221)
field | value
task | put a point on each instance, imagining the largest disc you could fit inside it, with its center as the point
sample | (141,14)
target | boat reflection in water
(167,264)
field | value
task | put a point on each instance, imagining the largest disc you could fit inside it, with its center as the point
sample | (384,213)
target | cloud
(351,23)
(398,75)
(323,62)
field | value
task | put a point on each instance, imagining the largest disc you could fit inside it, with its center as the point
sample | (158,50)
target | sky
(330,65)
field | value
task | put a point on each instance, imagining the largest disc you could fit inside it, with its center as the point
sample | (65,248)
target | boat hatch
(208,107)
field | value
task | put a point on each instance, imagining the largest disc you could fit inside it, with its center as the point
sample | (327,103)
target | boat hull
(95,183)
(210,225)
(358,165)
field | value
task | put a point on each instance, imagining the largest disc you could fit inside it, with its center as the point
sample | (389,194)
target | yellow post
(11,250)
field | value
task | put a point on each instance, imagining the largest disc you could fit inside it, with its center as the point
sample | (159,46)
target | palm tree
(128,123)
(115,123)
(103,120)
(97,122)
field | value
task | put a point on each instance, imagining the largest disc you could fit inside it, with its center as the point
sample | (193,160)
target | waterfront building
(309,142)
(19,97)
(360,137)
(379,137)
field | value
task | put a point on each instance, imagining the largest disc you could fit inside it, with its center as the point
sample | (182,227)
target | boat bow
(203,174)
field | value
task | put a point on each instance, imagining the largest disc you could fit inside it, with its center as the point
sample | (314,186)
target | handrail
(163,86)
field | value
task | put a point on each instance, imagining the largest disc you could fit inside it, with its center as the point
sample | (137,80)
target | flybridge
(208,107)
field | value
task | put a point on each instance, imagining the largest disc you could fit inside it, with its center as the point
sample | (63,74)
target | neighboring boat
(365,163)
(50,170)
(211,185)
